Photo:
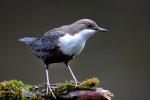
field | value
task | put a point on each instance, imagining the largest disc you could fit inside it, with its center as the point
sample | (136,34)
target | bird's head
(86,27)
(88,24)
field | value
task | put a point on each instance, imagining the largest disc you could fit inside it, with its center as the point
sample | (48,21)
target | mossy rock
(17,90)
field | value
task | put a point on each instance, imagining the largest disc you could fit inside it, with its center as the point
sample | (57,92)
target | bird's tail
(27,40)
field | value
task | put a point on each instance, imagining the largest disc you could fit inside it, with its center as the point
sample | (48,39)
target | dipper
(62,44)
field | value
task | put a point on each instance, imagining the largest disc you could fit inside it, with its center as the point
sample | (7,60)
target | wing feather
(44,44)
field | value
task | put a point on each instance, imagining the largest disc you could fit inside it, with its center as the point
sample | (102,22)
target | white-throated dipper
(62,44)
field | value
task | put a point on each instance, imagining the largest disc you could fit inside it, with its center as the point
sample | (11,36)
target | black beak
(102,29)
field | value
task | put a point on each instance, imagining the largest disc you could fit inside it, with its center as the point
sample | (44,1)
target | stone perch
(86,90)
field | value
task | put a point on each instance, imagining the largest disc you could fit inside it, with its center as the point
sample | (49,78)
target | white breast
(74,44)
(71,45)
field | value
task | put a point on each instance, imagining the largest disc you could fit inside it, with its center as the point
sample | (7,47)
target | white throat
(73,45)
(86,33)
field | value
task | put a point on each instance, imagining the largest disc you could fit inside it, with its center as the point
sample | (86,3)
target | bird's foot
(76,82)
(49,89)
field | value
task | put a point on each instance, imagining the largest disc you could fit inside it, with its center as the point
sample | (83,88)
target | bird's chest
(71,45)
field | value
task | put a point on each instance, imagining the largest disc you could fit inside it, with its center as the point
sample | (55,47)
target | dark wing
(50,38)
(44,44)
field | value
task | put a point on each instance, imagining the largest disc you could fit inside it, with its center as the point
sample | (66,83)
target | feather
(27,40)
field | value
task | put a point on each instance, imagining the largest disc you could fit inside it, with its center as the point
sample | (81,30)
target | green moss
(67,86)
(11,90)
(17,90)
(64,87)
(30,87)
(88,83)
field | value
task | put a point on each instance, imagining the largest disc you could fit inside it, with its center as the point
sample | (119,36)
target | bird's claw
(48,88)
(76,83)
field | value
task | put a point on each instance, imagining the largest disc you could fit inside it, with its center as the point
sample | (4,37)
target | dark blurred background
(120,58)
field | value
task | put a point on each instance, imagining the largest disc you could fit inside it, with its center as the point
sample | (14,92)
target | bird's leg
(48,88)
(74,78)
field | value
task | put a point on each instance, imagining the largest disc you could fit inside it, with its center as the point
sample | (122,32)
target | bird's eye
(89,26)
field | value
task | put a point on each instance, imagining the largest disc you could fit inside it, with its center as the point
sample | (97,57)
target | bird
(62,44)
